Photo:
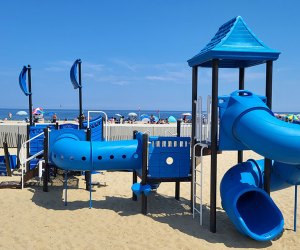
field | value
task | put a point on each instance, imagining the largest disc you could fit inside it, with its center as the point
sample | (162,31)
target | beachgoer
(54,118)
(152,119)
(9,116)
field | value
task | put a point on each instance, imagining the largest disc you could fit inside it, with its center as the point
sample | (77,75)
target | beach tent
(172,119)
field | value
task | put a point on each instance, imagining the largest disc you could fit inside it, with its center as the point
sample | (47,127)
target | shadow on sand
(163,209)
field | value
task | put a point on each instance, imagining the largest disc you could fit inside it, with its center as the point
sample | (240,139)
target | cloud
(124,64)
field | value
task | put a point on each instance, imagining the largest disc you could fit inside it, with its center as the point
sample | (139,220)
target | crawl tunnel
(69,150)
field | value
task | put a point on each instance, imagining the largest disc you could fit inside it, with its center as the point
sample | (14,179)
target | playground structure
(246,122)
(82,147)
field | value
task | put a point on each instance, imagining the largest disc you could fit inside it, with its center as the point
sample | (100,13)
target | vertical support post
(66,188)
(6,157)
(193,134)
(80,95)
(46,160)
(214,145)
(144,171)
(241,87)
(177,183)
(87,174)
(30,95)
(295,209)
(134,175)
(268,162)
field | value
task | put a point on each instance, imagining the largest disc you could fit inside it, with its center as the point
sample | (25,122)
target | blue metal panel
(96,128)
(68,125)
(236,45)
(169,157)
(37,144)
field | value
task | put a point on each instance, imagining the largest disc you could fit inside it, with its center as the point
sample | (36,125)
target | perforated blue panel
(169,157)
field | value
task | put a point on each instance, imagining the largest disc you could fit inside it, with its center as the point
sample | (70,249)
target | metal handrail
(106,119)
(22,156)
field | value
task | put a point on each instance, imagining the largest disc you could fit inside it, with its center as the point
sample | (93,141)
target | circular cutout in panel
(83,158)
(99,157)
(169,160)
(135,156)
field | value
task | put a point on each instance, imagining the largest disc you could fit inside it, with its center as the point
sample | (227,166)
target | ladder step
(197,197)
(195,209)
(198,171)
(198,184)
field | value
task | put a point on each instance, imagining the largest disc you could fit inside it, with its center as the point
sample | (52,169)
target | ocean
(72,114)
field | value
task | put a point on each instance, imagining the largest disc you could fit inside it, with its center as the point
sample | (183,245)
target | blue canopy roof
(236,46)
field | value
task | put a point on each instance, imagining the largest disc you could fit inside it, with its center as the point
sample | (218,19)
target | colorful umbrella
(21,112)
(38,111)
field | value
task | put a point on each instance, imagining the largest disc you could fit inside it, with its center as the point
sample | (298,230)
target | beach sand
(33,219)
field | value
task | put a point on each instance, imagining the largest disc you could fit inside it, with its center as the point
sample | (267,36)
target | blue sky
(134,52)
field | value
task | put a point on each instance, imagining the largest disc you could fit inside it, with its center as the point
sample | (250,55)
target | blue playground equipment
(246,122)
(83,148)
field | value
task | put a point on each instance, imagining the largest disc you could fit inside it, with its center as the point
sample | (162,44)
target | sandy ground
(33,219)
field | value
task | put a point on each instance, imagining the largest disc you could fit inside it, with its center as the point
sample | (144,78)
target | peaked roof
(236,46)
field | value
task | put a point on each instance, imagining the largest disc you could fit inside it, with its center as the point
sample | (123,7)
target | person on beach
(54,118)
(152,119)
(9,116)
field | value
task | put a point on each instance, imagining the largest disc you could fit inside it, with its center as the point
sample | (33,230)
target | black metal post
(6,157)
(30,95)
(87,174)
(268,162)
(80,95)
(214,145)
(177,183)
(46,175)
(144,170)
(241,87)
(193,141)
(134,175)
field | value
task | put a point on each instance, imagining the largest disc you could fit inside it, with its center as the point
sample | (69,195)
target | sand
(33,219)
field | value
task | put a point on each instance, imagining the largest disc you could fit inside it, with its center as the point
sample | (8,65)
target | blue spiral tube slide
(247,123)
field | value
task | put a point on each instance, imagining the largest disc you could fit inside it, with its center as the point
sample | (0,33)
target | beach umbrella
(186,114)
(292,117)
(21,112)
(145,120)
(132,114)
(118,115)
(172,119)
(155,118)
(144,116)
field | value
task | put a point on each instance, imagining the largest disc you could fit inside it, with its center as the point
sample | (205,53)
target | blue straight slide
(247,123)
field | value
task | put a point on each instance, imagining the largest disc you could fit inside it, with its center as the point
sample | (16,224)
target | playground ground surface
(32,219)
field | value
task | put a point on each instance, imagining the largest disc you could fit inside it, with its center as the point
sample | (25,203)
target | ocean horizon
(72,114)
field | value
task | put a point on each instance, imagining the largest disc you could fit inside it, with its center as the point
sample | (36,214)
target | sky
(134,52)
